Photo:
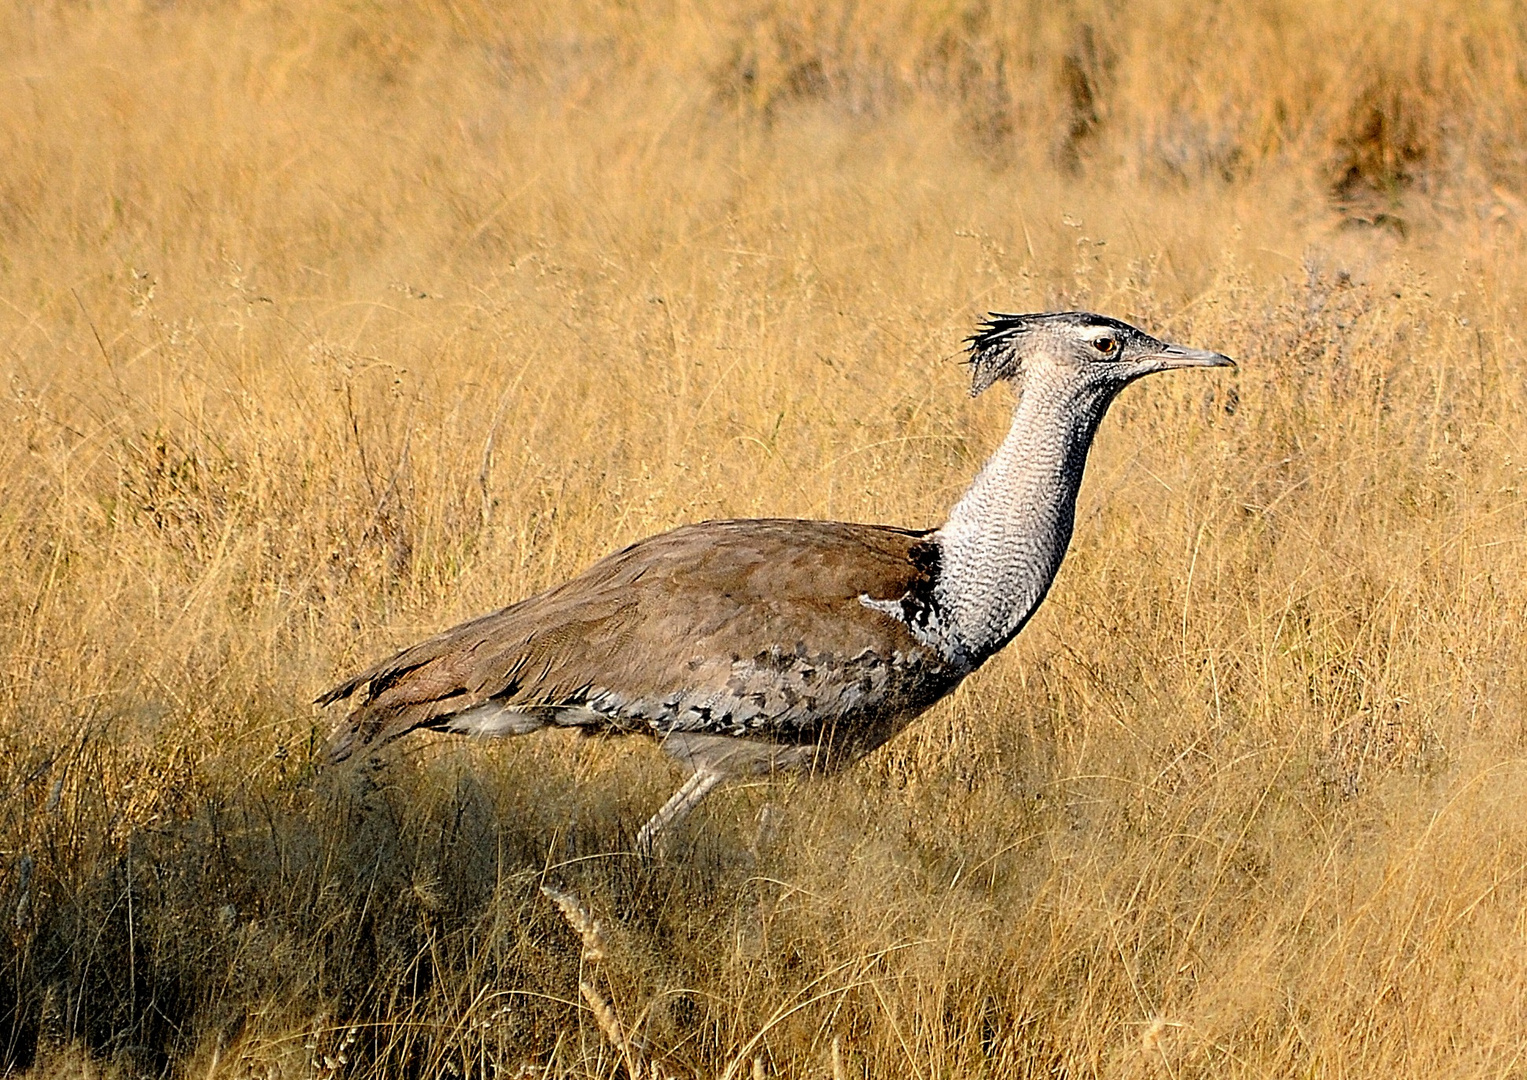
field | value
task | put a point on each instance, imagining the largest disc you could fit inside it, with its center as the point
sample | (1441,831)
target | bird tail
(374,719)
(342,744)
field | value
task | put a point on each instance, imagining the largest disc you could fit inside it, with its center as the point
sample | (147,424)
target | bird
(762,646)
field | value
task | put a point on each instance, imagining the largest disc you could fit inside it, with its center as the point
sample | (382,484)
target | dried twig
(586,926)
(580,919)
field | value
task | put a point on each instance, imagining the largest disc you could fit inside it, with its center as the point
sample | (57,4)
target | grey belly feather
(779,710)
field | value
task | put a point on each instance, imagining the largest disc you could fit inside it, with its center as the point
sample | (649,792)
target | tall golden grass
(328,324)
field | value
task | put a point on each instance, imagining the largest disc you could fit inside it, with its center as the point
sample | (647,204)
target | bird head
(1077,348)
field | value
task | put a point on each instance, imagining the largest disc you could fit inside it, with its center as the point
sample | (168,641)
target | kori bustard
(749,647)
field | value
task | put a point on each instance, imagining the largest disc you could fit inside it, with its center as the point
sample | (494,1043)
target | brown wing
(732,627)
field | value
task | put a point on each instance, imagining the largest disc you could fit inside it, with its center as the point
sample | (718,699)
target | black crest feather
(993,349)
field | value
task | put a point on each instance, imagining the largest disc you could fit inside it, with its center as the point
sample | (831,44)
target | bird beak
(1180,356)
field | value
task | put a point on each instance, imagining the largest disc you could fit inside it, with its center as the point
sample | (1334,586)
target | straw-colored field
(326,325)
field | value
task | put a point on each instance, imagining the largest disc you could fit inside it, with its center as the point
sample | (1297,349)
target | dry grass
(327,325)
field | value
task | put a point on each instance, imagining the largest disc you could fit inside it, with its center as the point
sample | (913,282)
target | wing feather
(734,627)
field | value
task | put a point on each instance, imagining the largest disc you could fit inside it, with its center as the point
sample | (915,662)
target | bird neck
(1004,540)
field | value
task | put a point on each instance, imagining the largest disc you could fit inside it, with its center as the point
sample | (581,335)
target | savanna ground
(326,325)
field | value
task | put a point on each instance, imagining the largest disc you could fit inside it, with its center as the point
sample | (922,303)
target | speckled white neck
(1005,539)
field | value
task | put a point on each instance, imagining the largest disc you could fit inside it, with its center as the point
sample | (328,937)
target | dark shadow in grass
(392,911)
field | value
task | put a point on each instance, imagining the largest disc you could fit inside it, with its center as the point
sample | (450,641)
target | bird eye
(1105,345)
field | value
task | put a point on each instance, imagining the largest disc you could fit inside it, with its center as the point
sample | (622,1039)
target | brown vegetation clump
(328,325)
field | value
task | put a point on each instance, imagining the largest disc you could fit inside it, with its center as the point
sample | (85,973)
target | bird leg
(649,841)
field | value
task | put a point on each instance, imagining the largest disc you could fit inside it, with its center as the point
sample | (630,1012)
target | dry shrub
(1377,97)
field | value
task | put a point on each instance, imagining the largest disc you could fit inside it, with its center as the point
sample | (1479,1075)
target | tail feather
(342,744)
(377,721)
(340,692)
(379,715)
(415,687)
